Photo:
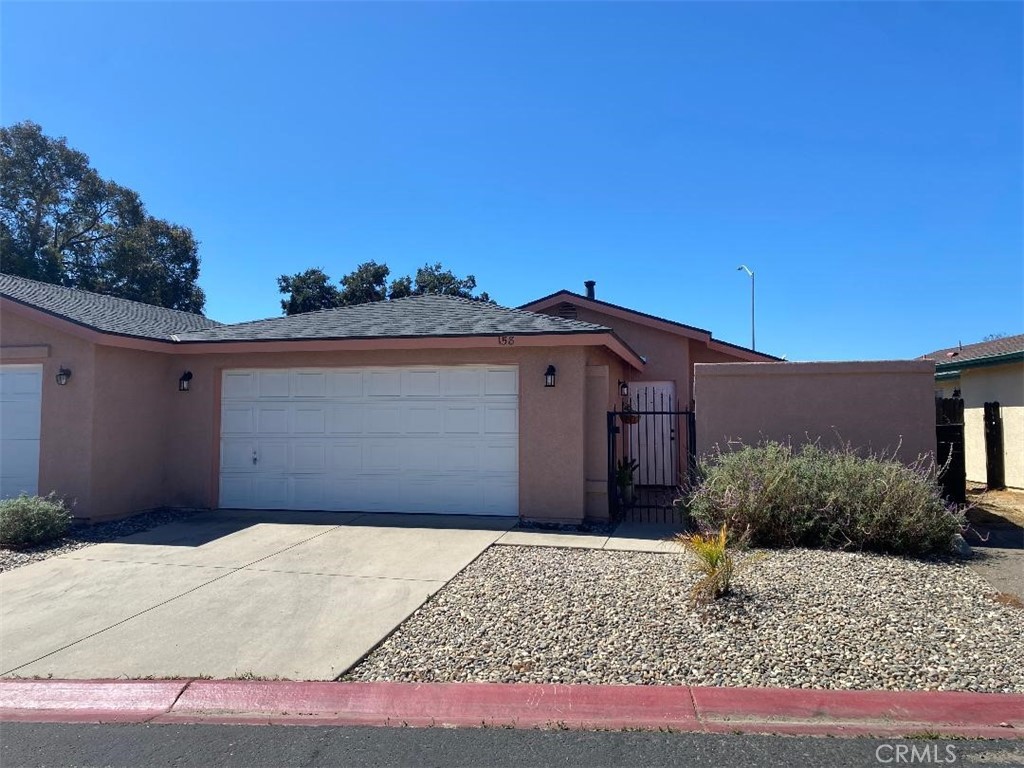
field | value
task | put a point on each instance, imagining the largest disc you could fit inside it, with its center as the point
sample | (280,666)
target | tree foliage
(307,292)
(60,222)
(311,290)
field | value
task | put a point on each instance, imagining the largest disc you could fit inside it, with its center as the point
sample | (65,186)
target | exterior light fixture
(63,375)
(623,388)
(549,376)
(185,381)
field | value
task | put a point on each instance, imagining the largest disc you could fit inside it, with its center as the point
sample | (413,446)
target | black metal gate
(995,464)
(651,459)
(949,433)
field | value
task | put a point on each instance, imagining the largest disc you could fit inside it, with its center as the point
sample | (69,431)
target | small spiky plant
(711,556)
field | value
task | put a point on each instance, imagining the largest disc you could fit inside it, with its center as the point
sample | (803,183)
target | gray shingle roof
(962,354)
(401,318)
(102,313)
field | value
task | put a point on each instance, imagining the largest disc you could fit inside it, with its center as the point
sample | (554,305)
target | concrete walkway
(681,708)
(232,594)
(627,537)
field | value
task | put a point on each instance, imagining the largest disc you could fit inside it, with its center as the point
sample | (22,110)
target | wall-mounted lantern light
(623,388)
(63,375)
(549,376)
(185,381)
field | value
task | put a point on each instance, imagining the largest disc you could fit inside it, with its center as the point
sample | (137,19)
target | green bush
(30,520)
(824,499)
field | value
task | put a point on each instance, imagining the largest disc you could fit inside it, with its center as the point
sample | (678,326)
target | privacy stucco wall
(551,420)
(878,406)
(1003,384)
(66,419)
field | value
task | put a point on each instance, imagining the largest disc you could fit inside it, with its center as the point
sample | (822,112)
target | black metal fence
(651,458)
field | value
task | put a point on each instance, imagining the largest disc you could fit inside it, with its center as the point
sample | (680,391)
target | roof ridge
(105,296)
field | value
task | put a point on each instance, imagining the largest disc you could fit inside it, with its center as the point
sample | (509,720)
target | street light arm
(745,268)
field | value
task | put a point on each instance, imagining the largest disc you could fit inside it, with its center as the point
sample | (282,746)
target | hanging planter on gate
(628,416)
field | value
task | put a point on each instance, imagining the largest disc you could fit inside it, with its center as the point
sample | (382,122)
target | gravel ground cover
(86,535)
(799,619)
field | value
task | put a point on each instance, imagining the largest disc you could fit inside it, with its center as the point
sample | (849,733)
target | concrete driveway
(232,594)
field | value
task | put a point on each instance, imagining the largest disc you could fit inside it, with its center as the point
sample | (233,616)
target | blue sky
(865,159)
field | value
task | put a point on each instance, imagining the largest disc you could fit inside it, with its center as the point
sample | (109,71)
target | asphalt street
(41,744)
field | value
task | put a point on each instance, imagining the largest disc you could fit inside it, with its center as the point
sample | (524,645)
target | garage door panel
(272,491)
(420,455)
(498,457)
(19,417)
(237,455)
(309,384)
(19,458)
(501,420)
(425,439)
(272,420)
(238,384)
(238,420)
(346,384)
(346,457)
(460,457)
(272,455)
(346,419)
(382,456)
(421,383)
(310,420)
(384,384)
(424,420)
(501,382)
(274,383)
(462,383)
(382,420)
(236,492)
(462,420)
(308,493)
(309,457)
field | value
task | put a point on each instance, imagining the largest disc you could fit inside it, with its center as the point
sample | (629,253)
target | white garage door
(420,439)
(21,388)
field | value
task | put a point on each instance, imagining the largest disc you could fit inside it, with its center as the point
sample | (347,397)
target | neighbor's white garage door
(417,439)
(21,388)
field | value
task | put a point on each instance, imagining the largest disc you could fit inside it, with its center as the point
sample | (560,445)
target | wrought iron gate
(651,459)
(949,432)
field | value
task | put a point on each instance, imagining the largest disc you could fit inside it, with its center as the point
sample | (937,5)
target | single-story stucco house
(987,372)
(425,404)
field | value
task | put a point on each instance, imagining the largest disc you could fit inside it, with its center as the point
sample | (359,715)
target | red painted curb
(444,704)
(720,710)
(88,700)
(935,707)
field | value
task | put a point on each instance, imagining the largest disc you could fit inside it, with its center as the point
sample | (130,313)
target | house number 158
(506,341)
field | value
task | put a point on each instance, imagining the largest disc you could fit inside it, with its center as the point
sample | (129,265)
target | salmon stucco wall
(66,419)
(551,420)
(886,406)
(130,438)
(1003,384)
(667,354)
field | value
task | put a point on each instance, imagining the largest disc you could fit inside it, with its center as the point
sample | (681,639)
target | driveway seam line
(394,629)
(230,571)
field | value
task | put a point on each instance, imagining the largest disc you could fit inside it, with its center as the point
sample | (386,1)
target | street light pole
(745,268)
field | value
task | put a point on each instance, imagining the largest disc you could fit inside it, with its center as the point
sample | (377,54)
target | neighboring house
(987,372)
(424,404)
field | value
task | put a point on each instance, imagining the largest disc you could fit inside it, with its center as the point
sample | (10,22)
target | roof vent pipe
(590,287)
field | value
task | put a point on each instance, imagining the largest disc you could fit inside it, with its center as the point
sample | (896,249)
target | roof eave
(979,362)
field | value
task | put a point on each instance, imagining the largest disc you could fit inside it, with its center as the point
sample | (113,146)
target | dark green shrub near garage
(26,521)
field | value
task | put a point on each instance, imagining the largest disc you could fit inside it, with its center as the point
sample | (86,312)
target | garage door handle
(254,459)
